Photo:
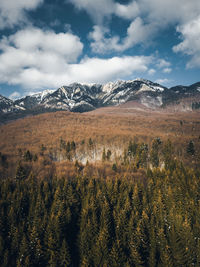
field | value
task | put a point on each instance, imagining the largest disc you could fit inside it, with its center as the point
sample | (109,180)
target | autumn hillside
(46,136)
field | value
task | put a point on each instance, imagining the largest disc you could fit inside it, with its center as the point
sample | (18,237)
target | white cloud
(34,39)
(185,15)
(163,81)
(157,12)
(151,71)
(30,53)
(98,10)
(36,59)
(162,63)
(169,12)
(15,95)
(191,42)
(129,11)
(167,70)
(137,33)
(88,70)
(13,12)
(103,70)
(156,15)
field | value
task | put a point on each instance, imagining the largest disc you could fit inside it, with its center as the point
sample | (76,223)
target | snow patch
(43,94)
(145,88)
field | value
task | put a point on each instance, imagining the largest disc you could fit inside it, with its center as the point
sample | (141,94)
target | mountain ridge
(80,97)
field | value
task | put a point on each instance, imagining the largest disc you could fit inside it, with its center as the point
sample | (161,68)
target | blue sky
(45,44)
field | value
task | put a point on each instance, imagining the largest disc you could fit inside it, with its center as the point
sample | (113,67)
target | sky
(45,44)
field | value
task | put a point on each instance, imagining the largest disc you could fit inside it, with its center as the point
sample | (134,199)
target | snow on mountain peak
(108,87)
(42,94)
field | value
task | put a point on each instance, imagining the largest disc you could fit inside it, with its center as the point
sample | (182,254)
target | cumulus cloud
(99,10)
(46,42)
(30,53)
(157,12)
(128,11)
(190,45)
(183,13)
(162,63)
(103,70)
(37,59)
(88,70)
(169,12)
(137,33)
(13,12)
(156,15)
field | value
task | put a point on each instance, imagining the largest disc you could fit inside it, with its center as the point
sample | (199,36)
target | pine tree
(165,258)
(104,155)
(190,148)
(168,155)
(24,253)
(154,156)
(108,154)
(102,248)
(21,172)
(73,145)
(64,255)
(28,156)
(52,250)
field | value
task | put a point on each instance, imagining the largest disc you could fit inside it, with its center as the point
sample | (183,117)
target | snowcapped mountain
(7,105)
(79,97)
(75,97)
(143,91)
(31,101)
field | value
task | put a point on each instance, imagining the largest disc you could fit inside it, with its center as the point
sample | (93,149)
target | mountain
(85,97)
(30,102)
(183,98)
(8,106)
(79,97)
(145,92)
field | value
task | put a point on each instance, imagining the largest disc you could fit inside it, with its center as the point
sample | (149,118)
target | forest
(135,206)
(132,215)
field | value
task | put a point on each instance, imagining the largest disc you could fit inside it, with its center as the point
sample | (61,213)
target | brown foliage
(111,127)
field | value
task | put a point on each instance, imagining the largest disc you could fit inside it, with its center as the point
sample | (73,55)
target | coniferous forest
(96,221)
(141,208)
